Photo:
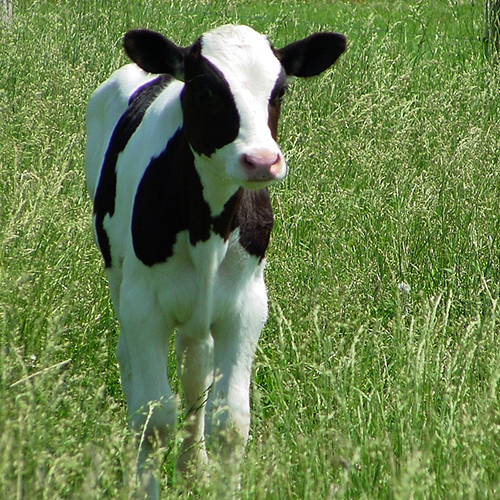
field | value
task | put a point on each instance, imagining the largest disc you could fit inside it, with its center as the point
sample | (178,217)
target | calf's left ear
(312,55)
(154,53)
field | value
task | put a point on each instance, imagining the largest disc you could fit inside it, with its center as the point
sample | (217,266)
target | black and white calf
(181,146)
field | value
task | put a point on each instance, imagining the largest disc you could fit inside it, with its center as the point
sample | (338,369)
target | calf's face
(234,83)
(231,76)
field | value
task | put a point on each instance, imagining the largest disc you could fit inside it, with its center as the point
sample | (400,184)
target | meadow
(377,376)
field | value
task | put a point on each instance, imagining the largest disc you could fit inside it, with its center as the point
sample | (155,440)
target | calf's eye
(206,95)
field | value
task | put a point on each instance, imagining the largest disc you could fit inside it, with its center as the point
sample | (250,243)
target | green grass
(361,388)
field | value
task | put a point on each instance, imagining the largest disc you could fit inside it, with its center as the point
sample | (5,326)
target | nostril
(247,162)
(259,160)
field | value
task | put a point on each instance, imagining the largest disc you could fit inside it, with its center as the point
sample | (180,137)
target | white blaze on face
(246,60)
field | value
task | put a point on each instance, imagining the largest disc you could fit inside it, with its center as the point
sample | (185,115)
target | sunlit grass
(377,374)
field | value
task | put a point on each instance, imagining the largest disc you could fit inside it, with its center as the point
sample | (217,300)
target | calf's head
(234,83)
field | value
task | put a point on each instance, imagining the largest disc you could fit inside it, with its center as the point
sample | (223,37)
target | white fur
(212,293)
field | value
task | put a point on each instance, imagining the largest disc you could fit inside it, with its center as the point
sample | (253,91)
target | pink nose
(261,165)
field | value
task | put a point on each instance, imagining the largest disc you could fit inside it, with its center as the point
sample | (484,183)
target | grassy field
(377,375)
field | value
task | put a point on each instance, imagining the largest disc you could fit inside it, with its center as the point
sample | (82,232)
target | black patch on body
(128,123)
(169,200)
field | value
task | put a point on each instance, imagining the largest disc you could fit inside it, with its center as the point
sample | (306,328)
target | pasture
(377,375)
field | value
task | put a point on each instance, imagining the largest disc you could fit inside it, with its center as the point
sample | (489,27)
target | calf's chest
(207,282)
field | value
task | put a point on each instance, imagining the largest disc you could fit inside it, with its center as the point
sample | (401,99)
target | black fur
(311,55)
(154,53)
(211,119)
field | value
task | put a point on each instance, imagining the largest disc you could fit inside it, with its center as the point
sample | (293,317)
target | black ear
(153,53)
(312,55)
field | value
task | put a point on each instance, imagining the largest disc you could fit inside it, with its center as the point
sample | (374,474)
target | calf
(181,146)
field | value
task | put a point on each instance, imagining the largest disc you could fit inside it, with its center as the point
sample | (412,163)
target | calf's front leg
(235,342)
(142,355)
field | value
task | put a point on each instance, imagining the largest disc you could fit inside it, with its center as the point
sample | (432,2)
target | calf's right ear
(154,53)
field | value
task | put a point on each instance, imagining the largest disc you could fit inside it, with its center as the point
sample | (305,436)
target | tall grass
(377,375)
